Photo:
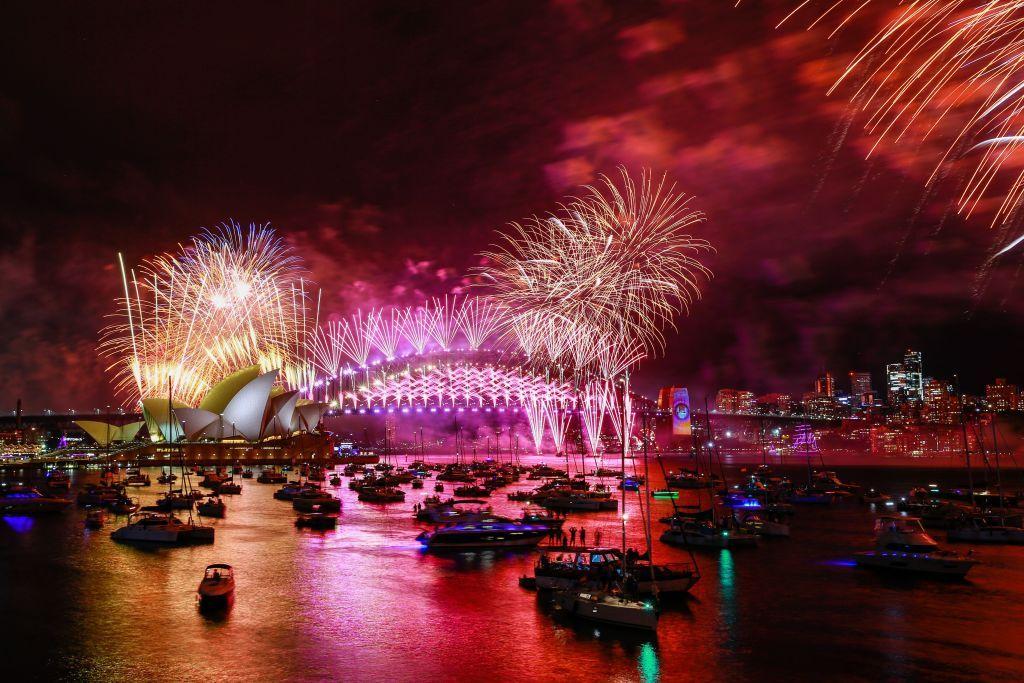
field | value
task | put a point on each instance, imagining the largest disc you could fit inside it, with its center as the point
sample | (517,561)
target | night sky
(387,142)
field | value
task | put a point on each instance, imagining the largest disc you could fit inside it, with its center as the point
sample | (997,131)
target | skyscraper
(904,380)
(825,384)
(860,388)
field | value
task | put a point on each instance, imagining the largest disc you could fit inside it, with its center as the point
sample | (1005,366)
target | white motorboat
(608,608)
(902,544)
(702,534)
(217,589)
(762,524)
(996,529)
(165,529)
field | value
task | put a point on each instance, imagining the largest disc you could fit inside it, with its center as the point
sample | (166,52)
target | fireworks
(939,61)
(611,268)
(233,297)
(591,288)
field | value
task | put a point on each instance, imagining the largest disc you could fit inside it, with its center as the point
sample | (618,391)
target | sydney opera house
(245,407)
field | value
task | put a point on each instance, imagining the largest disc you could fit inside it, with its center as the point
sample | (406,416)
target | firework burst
(233,297)
(939,62)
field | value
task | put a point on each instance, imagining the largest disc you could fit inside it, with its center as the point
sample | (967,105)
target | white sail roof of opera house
(244,405)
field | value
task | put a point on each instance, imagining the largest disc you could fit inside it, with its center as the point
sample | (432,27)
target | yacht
(175,500)
(703,534)
(165,529)
(902,544)
(315,500)
(1000,529)
(212,507)
(484,535)
(608,608)
(229,487)
(689,480)
(137,478)
(270,476)
(94,519)
(217,589)
(373,494)
(568,569)
(316,520)
(26,500)
(58,480)
(247,474)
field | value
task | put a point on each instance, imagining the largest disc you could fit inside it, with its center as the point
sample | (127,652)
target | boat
(316,501)
(247,474)
(93,495)
(439,487)
(664,493)
(873,497)
(237,469)
(95,519)
(229,487)
(417,483)
(24,500)
(212,507)
(689,480)
(535,516)
(316,520)
(164,529)
(374,494)
(213,480)
(58,480)
(484,535)
(520,496)
(123,505)
(271,476)
(472,492)
(175,500)
(608,608)
(703,534)
(998,529)
(137,478)
(167,478)
(292,489)
(812,495)
(217,589)
(336,480)
(902,545)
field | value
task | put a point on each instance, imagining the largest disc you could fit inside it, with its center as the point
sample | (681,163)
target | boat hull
(915,563)
(594,607)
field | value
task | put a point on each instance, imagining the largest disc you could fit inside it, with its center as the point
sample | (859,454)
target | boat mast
(999,471)
(967,448)
(625,418)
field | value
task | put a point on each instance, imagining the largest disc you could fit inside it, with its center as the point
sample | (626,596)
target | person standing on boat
(572,535)
(597,538)
(583,537)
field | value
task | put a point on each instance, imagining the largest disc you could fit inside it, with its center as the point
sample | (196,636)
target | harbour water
(366,603)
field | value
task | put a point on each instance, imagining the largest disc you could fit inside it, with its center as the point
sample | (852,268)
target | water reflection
(20,523)
(647,663)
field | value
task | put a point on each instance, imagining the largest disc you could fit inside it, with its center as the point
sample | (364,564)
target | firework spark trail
(479,318)
(934,61)
(386,332)
(233,297)
(443,320)
(416,324)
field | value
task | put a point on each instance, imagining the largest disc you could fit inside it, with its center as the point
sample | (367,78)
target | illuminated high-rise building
(825,384)
(904,380)
(861,392)
(1002,396)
